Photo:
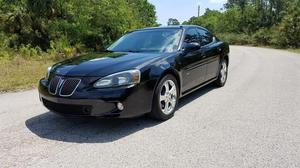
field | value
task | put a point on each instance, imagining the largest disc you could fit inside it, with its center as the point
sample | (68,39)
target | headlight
(126,78)
(48,73)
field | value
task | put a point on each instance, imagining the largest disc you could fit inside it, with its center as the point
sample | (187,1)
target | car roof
(174,27)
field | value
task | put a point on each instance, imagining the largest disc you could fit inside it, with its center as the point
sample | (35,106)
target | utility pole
(198,3)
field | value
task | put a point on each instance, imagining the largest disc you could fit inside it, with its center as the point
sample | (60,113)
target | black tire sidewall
(219,81)
(156,110)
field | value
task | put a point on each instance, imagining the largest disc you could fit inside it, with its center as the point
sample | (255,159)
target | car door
(194,70)
(211,50)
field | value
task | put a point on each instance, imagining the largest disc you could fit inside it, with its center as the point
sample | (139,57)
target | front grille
(67,109)
(54,84)
(69,86)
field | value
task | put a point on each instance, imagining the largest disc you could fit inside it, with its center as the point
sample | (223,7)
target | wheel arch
(226,57)
(174,73)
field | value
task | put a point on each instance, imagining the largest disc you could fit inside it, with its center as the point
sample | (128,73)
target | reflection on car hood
(102,64)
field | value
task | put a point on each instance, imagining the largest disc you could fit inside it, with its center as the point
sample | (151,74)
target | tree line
(31,27)
(68,25)
(257,22)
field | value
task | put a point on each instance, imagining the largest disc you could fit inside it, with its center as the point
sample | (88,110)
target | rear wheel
(223,74)
(165,99)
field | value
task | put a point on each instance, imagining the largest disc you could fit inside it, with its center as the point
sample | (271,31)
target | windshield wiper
(132,51)
(108,50)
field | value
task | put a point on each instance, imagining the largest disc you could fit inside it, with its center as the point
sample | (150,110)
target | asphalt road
(254,121)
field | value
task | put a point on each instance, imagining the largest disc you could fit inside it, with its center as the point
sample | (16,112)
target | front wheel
(165,99)
(223,74)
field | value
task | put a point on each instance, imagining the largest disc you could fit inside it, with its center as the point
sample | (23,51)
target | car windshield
(154,40)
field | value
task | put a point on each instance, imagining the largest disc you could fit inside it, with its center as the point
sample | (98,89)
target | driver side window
(205,37)
(192,36)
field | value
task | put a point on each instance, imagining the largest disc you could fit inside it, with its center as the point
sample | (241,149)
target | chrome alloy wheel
(168,97)
(223,72)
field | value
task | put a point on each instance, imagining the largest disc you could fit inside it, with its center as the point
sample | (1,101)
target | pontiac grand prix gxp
(145,71)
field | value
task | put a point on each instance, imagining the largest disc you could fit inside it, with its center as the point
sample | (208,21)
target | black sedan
(145,71)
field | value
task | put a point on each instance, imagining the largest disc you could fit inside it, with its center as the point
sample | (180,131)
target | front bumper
(100,102)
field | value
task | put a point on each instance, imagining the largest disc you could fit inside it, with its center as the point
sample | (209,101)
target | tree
(173,21)
(209,20)
(288,31)
(144,11)
(92,23)
(259,22)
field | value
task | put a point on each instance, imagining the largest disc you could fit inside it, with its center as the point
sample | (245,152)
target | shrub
(27,51)
(4,49)
(288,31)
(263,37)
(236,39)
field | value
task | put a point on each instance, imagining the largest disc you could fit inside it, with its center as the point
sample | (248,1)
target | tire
(162,97)
(223,74)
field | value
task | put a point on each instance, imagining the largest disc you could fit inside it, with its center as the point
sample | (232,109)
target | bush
(288,31)
(4,49)
(4,55)
(27,51)
(61,49)
(236,39)
(263,37)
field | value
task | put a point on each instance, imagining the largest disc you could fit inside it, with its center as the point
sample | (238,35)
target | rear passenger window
(206,37)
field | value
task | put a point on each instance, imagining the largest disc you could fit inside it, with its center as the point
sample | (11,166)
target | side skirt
(198,87)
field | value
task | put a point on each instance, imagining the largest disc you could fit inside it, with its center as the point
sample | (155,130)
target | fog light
(120,106)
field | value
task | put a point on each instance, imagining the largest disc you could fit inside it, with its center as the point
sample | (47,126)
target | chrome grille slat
(53,86)
(68,87)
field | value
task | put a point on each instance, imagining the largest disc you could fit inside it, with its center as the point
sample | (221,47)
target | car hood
(103,64)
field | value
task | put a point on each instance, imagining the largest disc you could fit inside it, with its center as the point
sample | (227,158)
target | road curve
(254,121)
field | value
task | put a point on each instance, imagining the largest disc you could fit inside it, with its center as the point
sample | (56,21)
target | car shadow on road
(195,95)
(92,130)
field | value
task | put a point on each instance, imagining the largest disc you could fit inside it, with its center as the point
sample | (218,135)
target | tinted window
(206,37)
(155,40)
(192,36)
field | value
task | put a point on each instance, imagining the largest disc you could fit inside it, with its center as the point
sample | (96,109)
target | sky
(182,9)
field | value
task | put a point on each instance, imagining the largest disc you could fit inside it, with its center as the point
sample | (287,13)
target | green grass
(20,74)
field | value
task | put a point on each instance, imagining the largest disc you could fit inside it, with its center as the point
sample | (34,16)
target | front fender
(167,66)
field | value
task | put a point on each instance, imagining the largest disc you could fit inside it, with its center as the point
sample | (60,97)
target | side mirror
(193,46)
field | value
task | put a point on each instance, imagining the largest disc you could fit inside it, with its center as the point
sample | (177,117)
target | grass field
(20,74)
